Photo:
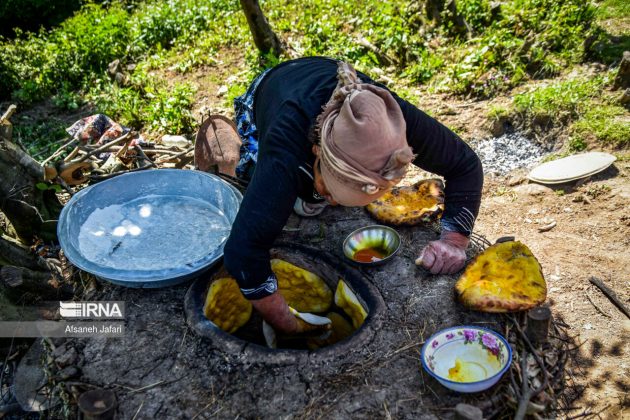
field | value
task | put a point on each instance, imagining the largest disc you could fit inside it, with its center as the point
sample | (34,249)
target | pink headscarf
(364,150)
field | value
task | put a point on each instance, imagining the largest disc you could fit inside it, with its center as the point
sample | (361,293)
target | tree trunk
(13,253)
(26,206)
(445,11)
(433,10)
(31,212)
(265,39)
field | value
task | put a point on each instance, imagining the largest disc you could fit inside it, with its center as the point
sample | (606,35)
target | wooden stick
(386,59)
(596,307)
(610,295)
(178,155)
(58,151)
(547,227)
(150,151)
(112,175)
(10,111)
(538,320)
(103,147)
(72,154)
(144,156)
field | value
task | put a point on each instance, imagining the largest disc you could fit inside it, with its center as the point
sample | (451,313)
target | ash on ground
(500,155)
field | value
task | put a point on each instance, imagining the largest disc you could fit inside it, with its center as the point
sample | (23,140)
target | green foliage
(497,112)
(166,38)
(63,58)
(531,38)
(29,15)
(41,136)
(36,65)
(157,108)
(583,104)
(169,110)
(608,124)
(425,67)
(604,47)
(560,101)
(476,13)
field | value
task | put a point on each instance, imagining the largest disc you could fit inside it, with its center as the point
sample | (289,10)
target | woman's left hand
(446,255)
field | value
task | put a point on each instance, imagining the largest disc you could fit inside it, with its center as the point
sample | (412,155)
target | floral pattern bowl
(466,358)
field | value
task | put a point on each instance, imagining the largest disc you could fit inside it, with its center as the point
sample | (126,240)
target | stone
(30,378)
(516,180)
(113,68)
(68,372)
(624,99)
(532,189)
(177,141)
(222,90)
(468,412)
(498,127)
(59,350)
(622,80)
(68,358)
(120,79)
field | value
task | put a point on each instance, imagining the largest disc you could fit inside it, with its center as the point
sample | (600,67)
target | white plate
(571,168)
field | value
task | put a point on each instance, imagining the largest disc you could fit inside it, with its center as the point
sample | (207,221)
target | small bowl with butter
(466,358)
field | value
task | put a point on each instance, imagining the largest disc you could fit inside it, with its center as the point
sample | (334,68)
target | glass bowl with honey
(371,245)
(466,358)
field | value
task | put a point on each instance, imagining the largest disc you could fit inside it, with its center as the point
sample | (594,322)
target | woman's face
(320,187)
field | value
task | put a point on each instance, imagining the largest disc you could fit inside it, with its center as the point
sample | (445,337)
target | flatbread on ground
(506,277)
(422,202)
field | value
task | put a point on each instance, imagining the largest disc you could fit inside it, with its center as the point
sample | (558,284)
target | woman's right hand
(275,311)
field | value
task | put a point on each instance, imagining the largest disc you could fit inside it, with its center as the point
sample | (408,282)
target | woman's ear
(315,150)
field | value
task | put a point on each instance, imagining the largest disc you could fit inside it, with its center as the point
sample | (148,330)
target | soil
(591,238)
(161,369)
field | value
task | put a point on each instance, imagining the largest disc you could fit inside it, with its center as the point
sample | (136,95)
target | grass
(617,11)
(527,39)
(606,124)
(39,136)
(584,105)
(559,101)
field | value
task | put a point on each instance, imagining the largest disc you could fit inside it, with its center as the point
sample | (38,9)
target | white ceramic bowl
(466,358)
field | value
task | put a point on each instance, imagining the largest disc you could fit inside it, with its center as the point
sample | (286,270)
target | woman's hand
(446,255)
(275,311)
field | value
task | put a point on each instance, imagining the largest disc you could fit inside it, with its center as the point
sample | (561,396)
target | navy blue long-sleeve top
(286,104)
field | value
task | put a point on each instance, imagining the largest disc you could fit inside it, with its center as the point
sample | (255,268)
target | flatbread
(422,202)
(303,290)
(226,306)
(506,277)
(347,300)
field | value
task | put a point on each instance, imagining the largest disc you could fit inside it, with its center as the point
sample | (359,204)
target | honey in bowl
(369,255)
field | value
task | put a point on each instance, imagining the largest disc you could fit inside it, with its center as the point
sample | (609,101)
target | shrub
(29,15)
(608,124)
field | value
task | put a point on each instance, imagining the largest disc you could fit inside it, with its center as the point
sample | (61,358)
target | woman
(318,134)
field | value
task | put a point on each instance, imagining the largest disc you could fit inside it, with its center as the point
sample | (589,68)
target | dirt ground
(591,238)
(193,377)
(161,369)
